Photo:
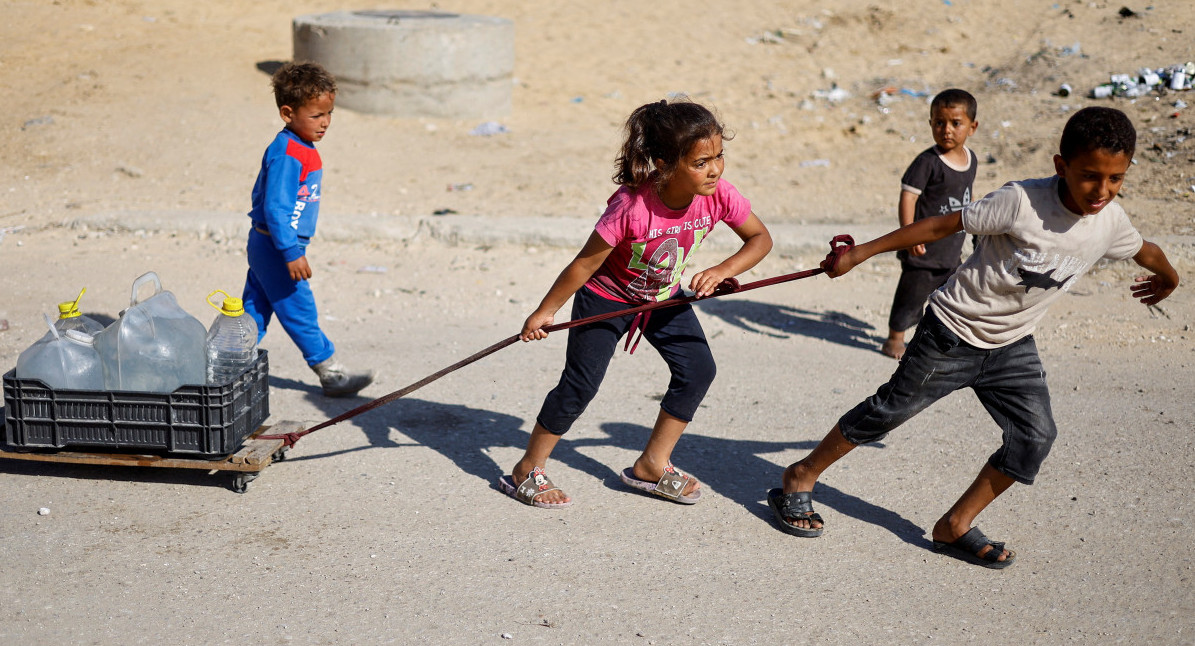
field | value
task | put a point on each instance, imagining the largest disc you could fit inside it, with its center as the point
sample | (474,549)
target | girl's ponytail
(661,131)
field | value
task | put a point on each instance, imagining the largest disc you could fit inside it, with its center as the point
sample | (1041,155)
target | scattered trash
(40,121)
(43,511)
(7,230)
(768,37)
(576,99)
(455,188)
(3,324)
(815,163)
(507,636)
(1125,12)
(372,269)
(990,159)
(1176,77)
(489,128)
(1065,89)
(131,171)
(834,95)
(444,212)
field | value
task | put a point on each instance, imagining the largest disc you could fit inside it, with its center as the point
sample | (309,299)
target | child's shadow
(735,469)
(782,321)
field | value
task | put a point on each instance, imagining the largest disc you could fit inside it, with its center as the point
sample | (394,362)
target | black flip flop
(966,548)
(798,504)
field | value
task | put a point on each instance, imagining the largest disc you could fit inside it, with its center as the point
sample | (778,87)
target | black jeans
(1009,381)
(674,332)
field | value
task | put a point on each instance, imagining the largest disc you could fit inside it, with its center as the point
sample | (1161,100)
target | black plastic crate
(209,421)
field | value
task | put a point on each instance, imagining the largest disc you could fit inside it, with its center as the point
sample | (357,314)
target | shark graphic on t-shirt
(1032,279)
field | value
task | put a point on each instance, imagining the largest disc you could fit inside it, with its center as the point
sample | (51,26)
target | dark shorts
(1009,381)
(674,332)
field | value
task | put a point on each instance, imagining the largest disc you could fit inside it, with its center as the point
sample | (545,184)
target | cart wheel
(240,483)
(280,454)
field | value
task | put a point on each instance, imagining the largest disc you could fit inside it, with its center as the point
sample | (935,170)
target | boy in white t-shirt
(1036,238)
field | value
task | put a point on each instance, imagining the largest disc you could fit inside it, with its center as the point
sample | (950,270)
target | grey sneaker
(339,382)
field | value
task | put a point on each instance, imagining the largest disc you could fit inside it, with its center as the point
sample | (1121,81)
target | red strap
(838,246)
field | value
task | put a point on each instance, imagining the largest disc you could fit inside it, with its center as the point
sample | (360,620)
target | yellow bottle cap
(229,306)
(70,309)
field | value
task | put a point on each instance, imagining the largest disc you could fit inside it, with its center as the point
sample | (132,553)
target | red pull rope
(838,246)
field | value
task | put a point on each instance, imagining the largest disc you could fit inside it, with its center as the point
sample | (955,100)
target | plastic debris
(454,188)
(40,121)
(1176,78)
(834,95)
(489,128)
(43,511)
(372,269)
(815,163)
(3,324)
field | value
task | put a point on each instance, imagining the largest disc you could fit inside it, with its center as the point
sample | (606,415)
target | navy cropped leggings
(674,332)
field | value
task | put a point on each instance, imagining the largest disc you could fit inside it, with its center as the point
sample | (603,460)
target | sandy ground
(134,141)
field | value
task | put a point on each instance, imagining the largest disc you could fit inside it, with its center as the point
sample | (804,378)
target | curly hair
(664,131)
(1097,128)
(297,83)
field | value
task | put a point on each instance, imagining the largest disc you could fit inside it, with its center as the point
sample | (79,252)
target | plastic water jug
(155,346)
(63,361)
(231,346)
(70,318)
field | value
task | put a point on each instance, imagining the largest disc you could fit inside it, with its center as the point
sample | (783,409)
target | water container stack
(231,346)
(144,383)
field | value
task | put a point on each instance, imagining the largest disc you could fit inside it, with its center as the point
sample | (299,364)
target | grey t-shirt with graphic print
(1031,249)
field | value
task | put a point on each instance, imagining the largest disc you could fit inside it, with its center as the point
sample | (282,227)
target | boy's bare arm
(920,232)
(1155,288)
(906,211)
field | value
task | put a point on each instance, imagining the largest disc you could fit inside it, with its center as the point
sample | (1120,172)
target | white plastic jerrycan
(63,361)
(155,345)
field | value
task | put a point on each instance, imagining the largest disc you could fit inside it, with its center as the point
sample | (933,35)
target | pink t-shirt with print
(653,243)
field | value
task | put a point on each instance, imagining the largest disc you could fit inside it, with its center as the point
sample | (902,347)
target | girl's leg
(677,335)
(658,452)
(988,485)
(539,447)
(590,348)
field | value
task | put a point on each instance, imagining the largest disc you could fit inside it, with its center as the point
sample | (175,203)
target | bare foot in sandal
(551,495)
(796,480)
(644,470)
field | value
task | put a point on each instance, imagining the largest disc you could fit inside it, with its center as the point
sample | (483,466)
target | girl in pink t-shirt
(669,198)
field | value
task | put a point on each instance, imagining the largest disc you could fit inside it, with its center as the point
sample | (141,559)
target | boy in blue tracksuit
(286,200)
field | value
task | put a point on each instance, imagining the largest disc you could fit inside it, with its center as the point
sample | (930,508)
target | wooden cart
(245,465)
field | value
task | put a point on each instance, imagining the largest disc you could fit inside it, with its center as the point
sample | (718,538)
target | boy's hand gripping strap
(838,246)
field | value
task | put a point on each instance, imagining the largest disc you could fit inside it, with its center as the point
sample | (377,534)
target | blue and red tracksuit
(285,209)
